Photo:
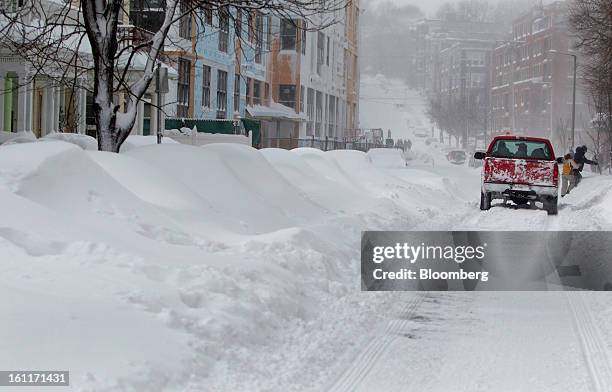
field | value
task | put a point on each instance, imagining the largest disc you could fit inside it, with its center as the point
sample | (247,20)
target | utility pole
(575,57)
(158,92)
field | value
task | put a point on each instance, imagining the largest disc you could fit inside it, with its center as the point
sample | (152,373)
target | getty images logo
(410,253)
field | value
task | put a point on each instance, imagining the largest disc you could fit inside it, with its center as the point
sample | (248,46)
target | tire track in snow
(364,362)
(595,353)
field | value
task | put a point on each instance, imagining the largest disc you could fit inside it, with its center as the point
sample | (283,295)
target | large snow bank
(175,267)
(134,141)
(16,137)
(86,142)
(387,157)
(159,266)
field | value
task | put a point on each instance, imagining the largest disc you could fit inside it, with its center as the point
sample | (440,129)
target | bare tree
(52,37)
(561,135)
(592,22)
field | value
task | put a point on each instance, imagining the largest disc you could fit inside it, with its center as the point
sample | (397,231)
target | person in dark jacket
(581,159)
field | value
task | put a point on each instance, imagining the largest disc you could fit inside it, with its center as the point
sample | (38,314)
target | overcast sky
(427,6)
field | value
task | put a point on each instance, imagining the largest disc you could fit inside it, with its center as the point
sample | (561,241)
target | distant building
(531,89)
(40,100)
(315,75)
(453,59)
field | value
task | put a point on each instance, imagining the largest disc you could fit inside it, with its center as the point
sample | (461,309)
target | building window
(269,33)
(249,98)
(546,45)
(238,24)
(286,95)
(208,14)
(331,115)
(288,33)
(90,118)
(237,93)
(319,113)
(182,90)
(301,99)
(303,37)
(267,94)
(185,21)
(310,112)
(320,51)
(251,26)
(258,36)
(146,14)
(206,86)
(327,57)
(221,94)
(223,29)
(256,92)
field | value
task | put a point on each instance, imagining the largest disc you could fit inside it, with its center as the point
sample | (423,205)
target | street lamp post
(573,94)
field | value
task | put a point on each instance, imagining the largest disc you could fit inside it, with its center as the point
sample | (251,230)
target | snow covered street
(260,290)
(224,268)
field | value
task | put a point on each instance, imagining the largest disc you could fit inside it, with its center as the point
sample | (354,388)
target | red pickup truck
(521,169)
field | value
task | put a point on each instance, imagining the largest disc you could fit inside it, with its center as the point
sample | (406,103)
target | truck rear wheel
(551,206)
(485,200)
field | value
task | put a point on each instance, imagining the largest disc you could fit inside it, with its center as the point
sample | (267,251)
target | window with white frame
(206,71)
(223,29)
(288,34)
(182,90)
(221,94)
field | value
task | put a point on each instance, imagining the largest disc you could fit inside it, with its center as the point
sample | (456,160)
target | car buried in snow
(520,169)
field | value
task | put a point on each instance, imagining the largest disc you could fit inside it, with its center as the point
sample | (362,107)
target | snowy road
(486,342)
(494,341)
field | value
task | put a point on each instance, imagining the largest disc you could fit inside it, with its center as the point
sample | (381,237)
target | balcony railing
(130,35)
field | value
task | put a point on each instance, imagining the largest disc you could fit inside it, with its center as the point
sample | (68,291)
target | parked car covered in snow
(457,157)
(521,169)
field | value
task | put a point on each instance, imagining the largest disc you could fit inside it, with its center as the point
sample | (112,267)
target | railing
(324,144)
(129,35)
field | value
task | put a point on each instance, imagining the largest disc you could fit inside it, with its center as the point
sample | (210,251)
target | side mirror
(479,155)
(559,160)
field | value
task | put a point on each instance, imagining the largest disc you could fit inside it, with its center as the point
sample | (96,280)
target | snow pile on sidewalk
(171,267)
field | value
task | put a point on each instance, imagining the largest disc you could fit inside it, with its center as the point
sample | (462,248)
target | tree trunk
(105,111)
(101,20)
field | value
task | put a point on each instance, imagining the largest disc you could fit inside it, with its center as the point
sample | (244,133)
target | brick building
(532,87)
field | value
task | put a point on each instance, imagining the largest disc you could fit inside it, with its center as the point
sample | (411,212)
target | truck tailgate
(519,171)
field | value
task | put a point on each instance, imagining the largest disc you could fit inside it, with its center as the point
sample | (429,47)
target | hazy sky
(427,6)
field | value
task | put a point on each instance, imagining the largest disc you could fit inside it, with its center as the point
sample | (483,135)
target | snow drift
(202,254)
(190,267)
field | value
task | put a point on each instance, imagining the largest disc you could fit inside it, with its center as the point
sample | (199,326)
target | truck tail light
(487,169)
(555,178)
